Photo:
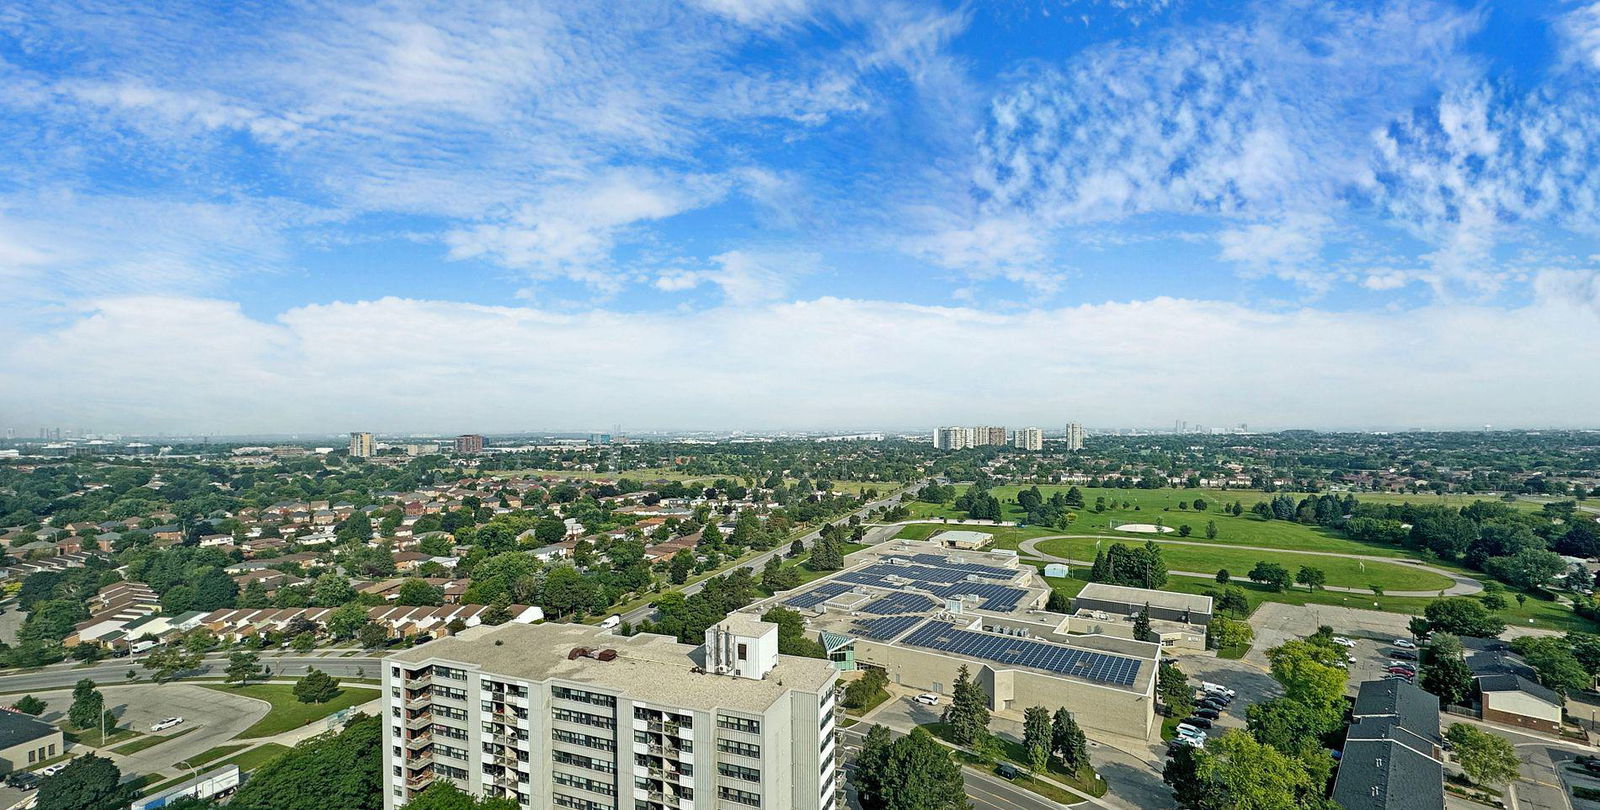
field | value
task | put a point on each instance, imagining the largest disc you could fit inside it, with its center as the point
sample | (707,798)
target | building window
(739,772)
(742,655)
(592,698)
(742,749)
(583,717)
(732,723)
(739,796)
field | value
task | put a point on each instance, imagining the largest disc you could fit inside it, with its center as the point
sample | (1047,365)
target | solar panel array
(991,571)
(998,598)
(900,602)
(1086,664)
(885,628)
(817,595)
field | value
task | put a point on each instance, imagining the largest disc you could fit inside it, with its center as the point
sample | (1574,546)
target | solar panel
(885,628)
(1086,664)
(817,595)
(991,571)
(999,598)
(900,602)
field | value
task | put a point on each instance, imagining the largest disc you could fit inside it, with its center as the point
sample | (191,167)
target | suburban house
(1393,754)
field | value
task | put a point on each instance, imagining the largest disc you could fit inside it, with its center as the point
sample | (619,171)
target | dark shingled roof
(17,728)
(1517,683)
(1388,760)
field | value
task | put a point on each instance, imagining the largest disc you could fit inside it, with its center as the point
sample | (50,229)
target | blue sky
(787,213)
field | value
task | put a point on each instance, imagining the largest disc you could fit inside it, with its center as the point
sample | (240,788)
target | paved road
(1460,585)
(116,671)
(644,612)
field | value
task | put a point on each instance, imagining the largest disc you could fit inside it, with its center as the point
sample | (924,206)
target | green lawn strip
(255,757)
(150,741)
(91,736)
(213,754)
(1207,559)
(1234,653)
(1013,752)
(288,712)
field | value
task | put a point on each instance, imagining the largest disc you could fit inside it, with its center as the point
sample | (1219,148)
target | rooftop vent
(586,652)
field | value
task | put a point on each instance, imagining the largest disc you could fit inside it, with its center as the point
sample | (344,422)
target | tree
(1528,568)
(332,590)
(866,690)
(1419,628)
(1553,659)
(1463,617)
(87,705)
(1223,576)
(1141,624)
(347,620)
(244,667)
(792,638)
(681,566)
(327,772)
(1233,600)
(1036,741)
(968,712)
(87,783)
(1174,689)
(1312,578)
(28,704)
(169,661)
(914,772)
(418,593)
(1057,602)
(1068,741)
(316,686)
(1237,772)
(1487,759)
(444,795)
(1271,575)
(372,636)
(1211,530)
(1447,676)
(1226,633)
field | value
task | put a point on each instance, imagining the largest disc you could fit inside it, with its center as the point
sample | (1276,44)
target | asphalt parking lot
(215,717)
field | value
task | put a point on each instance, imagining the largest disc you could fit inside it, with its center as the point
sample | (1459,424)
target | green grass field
(287,711)
(1545,614)
(1207,559)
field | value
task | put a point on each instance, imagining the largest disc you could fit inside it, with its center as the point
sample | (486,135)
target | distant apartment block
(1029,439)
(469,443)
(1074,437)
(570,716)
(987,436)
(952,438)
(361,445)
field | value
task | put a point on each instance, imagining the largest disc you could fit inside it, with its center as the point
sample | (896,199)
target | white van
(611,621)
(1216,689)
(141,646)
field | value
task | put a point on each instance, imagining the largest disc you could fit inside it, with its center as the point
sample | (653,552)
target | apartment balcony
(419,739)
(419,721)
(417,701)
(418,781)
(419,683)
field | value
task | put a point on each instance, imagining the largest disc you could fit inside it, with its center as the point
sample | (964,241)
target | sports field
(1207,559)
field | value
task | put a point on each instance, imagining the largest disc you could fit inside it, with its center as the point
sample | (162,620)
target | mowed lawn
(1207,559)
(1150,505)
(287,711)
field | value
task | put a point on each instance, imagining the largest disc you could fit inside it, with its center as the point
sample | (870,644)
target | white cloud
(1580,32)
(744,277)
(820,363)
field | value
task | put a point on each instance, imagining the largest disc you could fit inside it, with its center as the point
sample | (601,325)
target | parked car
(167,723)
(1008,771)
(52,770)
(22,780)
(1404,655)
(1198,722)
(1209,714)
(928,699)
(1406,671)
(1185,742)
(1411,668)
(1216,689)
(1394,677)
(1351,659)
(1212,703)
(1186,730)
(1343,642)
(1405,643)
(1592,767)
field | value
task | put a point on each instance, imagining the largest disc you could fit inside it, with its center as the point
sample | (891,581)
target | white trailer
(219,782)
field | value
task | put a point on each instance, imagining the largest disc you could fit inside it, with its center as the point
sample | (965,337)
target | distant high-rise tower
(361,445)
(1029,439)
(952,438)
(469,443)
(1074,437)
